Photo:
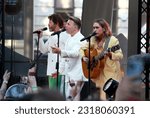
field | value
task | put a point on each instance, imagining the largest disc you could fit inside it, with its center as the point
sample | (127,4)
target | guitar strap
(106,44)
(105,48)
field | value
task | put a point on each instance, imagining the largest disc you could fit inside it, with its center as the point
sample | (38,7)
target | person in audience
(3,88)
(44,95)
(31,81)
(132,86)
(130,89)
(25,86)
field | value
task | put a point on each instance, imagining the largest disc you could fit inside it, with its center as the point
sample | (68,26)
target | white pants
(73,89)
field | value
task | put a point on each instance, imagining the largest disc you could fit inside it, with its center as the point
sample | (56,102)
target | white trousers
(73,89)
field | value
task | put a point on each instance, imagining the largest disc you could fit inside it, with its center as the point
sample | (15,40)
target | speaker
(21,64)
(13,7)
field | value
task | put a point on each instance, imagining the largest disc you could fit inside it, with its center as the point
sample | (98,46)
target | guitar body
(94,71)
(97,61)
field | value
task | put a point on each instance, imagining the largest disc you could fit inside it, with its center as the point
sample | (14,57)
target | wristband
(5,81)
(34,88)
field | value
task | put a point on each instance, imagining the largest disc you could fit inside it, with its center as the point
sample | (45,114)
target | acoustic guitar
(97,62)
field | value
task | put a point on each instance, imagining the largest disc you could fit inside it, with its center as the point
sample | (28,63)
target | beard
(52,28)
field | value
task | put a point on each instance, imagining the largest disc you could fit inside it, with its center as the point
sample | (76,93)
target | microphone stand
(89,67)
(12,43)
(57,63)
(37,55)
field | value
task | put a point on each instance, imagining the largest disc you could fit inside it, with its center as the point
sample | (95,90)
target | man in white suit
(72,66)
(55,24)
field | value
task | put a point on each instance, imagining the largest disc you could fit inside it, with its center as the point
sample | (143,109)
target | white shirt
(72,59)
(46,48)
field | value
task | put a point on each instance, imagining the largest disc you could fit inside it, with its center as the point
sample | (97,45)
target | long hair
(104,24)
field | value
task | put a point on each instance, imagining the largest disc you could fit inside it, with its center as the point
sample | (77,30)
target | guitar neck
(102,54)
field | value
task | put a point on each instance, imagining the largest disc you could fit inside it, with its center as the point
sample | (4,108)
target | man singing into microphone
(55,25)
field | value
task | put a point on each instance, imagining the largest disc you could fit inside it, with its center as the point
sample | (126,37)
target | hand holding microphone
(40,32)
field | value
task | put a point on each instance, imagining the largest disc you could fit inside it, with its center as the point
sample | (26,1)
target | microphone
(58,32)
(93,34)
(38,31)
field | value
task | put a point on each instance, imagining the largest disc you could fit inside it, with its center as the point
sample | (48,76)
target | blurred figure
(25,86)
(44,95)
(3,88)
(94,95)
(131,87)
(31,81)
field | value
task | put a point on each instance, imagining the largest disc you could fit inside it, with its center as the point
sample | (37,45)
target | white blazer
(46,48)
(72,59)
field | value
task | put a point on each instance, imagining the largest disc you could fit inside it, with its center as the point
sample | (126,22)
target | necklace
(100,44)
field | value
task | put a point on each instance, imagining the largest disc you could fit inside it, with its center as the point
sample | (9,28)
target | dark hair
(57,19)
(64,16)
(76,20)
(104,24)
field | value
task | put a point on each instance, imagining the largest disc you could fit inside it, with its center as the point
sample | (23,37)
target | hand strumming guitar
(108,54)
